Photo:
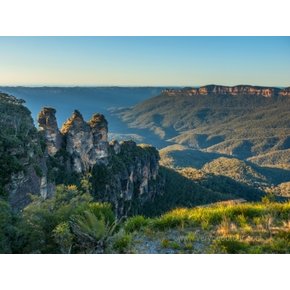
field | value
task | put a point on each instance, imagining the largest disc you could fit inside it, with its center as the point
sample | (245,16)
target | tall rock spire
(48,126)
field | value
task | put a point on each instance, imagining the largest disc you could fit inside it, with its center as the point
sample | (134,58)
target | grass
(135,223)
(121,242)
(222,228)
(214,215)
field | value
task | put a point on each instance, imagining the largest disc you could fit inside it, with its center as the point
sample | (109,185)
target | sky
(144,61)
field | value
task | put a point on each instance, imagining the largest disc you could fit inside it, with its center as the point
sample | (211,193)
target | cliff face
(132,177)
(22,162)
(232,91)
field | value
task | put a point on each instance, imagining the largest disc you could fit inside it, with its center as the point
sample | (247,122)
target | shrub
(170,244)
(90,231)
(38,170)
(63,237)
(103,210)
(122,242)
(241,220)
(166,222)
(135,223)
(165,243)
(229,246)
(190,237)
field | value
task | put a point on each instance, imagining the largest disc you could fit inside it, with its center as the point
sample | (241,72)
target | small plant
(188,246)
(267,222)
(149,232)
(190,238)
(122,242)
(205,224)
(38,170)
(241,220)
(174,245)
(63,237)
(268,198)
(258,221)
(135,223)
(229,246)
(165,243)
(225,227)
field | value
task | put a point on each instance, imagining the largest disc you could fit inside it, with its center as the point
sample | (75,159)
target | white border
(144,17)
(128,272)
(150,17)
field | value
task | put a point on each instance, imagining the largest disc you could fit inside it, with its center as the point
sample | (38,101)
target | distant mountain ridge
(231,90)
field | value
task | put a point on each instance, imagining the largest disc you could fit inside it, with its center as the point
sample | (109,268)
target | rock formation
(232,91)
(121,173)
(86,142)
(47,125)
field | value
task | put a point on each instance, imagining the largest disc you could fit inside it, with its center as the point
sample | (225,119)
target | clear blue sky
(153,61)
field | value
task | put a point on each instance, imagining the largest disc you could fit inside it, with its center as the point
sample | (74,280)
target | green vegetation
(7,229)
(246,172)
(244,126)
(189,187)
(57,171)
(135,223)
(176,156)
(231,228)
(69,222)
(18,139)
(277,158)
(121,243)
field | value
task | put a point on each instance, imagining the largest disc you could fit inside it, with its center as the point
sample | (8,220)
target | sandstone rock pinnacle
(48,126)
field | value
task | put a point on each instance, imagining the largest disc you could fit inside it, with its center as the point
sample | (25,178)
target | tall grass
(214,215)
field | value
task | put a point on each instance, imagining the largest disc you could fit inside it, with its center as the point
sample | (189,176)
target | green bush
(135,223)
(166,222)
(63,237)
(102,210)
(229,246)
(7,230)
(122,242)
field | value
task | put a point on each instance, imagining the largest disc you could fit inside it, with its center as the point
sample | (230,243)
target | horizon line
(134,86)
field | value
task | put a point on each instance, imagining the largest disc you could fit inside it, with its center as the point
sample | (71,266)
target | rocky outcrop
(22,162)
(285,92)
(47,125)
(232,91)
(87,143)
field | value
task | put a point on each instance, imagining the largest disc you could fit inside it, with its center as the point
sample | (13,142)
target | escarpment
(22,162)
(230,91)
